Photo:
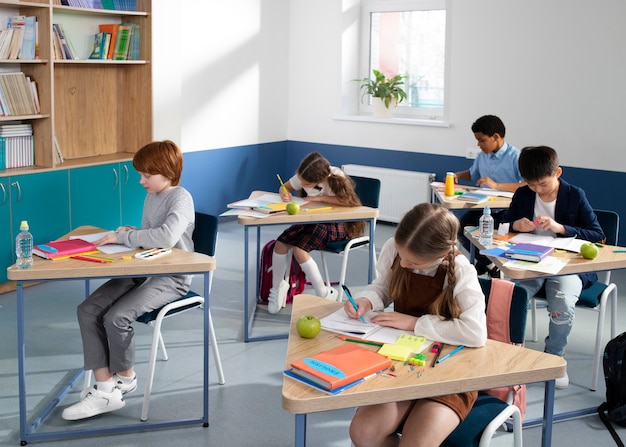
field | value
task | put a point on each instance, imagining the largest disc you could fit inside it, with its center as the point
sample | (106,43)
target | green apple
(589,250)
(293,208)
(308,326)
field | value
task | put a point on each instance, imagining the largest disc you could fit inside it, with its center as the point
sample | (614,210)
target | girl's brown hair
(160,157)
(314,168)
(428,231)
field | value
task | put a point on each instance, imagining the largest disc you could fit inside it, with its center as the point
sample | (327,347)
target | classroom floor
(246,411)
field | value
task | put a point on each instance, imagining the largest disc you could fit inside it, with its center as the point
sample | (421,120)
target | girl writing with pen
(436,294)
(105,317)
(319,182)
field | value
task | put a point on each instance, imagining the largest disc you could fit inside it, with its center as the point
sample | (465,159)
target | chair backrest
(205,234)
(368,190)
(609,221)
(518,311)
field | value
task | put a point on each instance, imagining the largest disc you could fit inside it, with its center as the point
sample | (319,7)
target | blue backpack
(614,409)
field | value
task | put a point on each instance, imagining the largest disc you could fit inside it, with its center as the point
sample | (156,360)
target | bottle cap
(487,210)
(24,225)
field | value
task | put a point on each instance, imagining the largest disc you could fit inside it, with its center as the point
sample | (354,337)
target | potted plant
(386,92)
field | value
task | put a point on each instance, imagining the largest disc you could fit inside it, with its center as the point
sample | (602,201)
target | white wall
(219,72)
(254,71)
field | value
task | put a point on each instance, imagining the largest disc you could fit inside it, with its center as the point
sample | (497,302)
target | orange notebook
(340,366)
(110,28)
(64,249)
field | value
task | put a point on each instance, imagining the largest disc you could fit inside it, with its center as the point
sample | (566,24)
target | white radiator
(399,190)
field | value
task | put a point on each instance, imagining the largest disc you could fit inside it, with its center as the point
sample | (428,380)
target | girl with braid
(319,182)
(436,294)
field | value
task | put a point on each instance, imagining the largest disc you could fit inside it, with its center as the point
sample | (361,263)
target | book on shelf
(28,51)
(123,42)
(472,197)
(16,96)
(340,323)
(528,252)
(64,249)
(340,366)
(66,48)
(100,48)
(111,29)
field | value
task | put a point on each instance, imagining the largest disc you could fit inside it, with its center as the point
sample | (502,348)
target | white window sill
(394,120)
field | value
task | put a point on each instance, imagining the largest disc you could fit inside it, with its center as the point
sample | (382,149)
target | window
(408,37)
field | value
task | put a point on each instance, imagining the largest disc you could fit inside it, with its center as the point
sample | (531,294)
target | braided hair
(428,231)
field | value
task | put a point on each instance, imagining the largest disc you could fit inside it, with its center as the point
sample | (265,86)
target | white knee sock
(279,268)
(314,276)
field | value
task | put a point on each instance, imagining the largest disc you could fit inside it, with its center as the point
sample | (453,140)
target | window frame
(370,6)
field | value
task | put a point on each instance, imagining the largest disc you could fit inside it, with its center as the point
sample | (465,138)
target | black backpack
(614,409)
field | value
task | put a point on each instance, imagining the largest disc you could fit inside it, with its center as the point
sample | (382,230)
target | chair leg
(325,267)
(156,339)
(216,352)
(162,345)
(533,318)
(87,382)
(610,293)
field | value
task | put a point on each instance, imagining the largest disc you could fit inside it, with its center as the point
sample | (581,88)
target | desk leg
(372,264)
(548,414)
(21,358)
(208,279)
(300,430)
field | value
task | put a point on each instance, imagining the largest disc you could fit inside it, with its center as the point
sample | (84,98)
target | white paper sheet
(109,249)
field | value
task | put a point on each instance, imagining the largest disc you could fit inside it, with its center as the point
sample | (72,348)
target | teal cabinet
(106,196)
(42,199)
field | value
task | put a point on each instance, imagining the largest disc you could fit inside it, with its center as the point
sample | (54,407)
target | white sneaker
(96,402)
(277,298)
(562,382)
(125,388)
(332,294)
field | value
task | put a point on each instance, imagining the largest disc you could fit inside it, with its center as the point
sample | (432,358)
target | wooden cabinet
(99,110)
(106,196)
(42,200)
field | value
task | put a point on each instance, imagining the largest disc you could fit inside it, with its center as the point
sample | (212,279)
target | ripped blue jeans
(562,293)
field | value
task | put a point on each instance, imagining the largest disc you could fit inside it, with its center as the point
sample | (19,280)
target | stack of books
(63,48)
(115,5)
(528,252)
(116,42)
(472,197)
(16,146)
(337,369)
(64,249)
(18,95)
(19,39)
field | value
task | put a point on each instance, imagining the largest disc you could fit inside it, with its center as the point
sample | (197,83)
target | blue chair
(595,297)
(489,413)
(205,241)
(368,191)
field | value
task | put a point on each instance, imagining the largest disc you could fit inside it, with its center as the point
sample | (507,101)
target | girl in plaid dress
(319,182)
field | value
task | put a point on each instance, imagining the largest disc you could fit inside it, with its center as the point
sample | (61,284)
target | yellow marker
(126,258)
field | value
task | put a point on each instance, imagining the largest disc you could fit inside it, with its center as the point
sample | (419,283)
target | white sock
(279,268)
(106,387)
(314,276)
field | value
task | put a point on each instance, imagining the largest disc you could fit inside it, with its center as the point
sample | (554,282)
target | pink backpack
(297,279)
(498,311)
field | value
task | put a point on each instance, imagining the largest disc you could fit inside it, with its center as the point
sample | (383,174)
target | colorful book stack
(16,146)
(116,42)
(115,5)
(63,48)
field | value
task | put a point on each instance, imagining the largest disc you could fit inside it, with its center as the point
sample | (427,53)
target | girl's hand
(284,195)
(109,238)
(364,307)
(396,320)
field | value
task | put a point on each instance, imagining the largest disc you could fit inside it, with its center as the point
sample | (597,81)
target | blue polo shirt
(500,166)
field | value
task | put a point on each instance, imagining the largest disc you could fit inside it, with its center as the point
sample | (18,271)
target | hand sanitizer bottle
(24,247)
(485,226)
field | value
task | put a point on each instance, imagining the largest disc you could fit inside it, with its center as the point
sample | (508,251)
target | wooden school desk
(606,260)
(452,203)
(494,365)
(336,214)
(43,270)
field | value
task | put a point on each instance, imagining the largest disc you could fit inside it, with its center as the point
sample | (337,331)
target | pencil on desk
(450,354)
(282,184)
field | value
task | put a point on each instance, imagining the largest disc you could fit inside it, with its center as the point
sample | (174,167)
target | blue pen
(345,289)
(451,353)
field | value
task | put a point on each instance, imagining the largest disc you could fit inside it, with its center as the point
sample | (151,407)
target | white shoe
(96,402)
(332,294)
(562,382)
(125,388)
(278,297)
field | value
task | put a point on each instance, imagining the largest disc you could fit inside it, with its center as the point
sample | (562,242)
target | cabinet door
(132,195)
(41,199)
(6,240)
(94,196)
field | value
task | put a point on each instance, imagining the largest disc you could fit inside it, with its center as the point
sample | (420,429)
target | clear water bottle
(485,226)
(24,247)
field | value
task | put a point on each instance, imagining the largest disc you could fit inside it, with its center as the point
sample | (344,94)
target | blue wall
(218,177)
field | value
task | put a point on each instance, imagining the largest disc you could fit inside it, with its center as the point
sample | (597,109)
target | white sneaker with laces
(562,382)
(332,294)
(125,388)
(277,298)
(96,402)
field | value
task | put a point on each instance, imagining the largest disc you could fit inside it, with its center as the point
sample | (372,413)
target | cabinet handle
(4,193)
(117,178)
(16,184)
(126,175)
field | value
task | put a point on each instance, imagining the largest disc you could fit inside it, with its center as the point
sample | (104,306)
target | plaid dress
(314,236)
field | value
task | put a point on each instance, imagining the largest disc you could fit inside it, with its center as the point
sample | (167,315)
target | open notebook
(340,323)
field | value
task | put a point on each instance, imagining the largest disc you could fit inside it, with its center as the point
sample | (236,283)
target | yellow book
(271,208)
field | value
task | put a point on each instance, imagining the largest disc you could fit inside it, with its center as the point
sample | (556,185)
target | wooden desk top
(606,260)
(179,261)
(495,364)
(338,213)
(453,202)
